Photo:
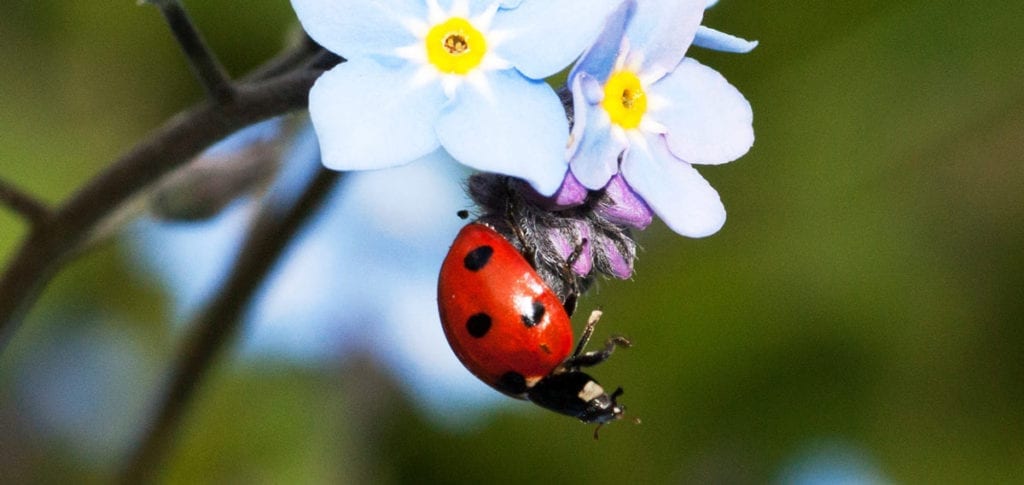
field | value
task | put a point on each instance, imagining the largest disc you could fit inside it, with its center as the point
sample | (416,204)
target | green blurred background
(861,311)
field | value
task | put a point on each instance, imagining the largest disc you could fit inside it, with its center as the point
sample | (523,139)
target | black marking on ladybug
(476,259)
(479,324)
(536,317)
(512,382)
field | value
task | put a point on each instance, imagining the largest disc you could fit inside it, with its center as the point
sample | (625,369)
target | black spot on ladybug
(476,259)
(511,382)
(479,324)
(536,317)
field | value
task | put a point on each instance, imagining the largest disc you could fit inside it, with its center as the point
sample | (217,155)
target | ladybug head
(576,394)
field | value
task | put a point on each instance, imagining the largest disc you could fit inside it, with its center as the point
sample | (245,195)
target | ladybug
(509,329)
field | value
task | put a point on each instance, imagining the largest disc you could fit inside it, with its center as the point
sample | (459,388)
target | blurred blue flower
(832,463)
(360,278)
(645,111)
(466,75)
(82,389)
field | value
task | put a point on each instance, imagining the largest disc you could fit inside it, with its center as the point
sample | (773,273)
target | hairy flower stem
(204,64)
(219,322)
(172,145)
(32,209)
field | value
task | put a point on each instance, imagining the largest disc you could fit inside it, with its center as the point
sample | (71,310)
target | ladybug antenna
(463,214)
(598,428)
(614,395)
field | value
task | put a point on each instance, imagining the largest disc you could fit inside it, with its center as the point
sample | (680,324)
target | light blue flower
(709,38)
(466,75)
(645,111)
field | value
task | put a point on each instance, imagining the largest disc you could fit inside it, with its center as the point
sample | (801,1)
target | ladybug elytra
(509,329)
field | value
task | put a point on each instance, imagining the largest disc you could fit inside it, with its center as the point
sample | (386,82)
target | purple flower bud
(623,206)
(617,263)
(604,246)
(565,246)
(571,194)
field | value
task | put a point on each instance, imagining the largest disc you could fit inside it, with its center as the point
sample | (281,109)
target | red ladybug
(511,330)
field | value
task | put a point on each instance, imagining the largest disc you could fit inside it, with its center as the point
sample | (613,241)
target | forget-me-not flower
(466,75)
(646,113)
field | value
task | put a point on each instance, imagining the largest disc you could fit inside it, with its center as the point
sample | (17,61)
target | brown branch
(29,207)
(170,146)
(219,322)
(304,50)
(201,59)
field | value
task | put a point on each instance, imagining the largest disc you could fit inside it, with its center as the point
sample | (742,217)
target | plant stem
(203,62)
(21,202)
(219,322)
(179,140)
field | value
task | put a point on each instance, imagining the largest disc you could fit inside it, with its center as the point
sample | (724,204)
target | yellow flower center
(625,99)
(455,46)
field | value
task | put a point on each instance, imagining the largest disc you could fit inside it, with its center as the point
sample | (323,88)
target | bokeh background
(859,319)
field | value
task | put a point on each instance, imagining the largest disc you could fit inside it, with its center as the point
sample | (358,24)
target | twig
(170,146)
(219,322)
(32,209)
(203,62)
(297,56)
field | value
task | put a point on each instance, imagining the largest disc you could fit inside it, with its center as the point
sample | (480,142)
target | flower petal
(587,93)
(709,38)
(545,36)
(663,31)
(708,120)
(599,60)
(369,116)
(673,189)
(595,157)
(355,28)
(512,126)
(594,146)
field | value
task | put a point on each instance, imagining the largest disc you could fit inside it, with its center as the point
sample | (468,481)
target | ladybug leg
(570,302)
(573,281)
(588,331)
(588,359)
